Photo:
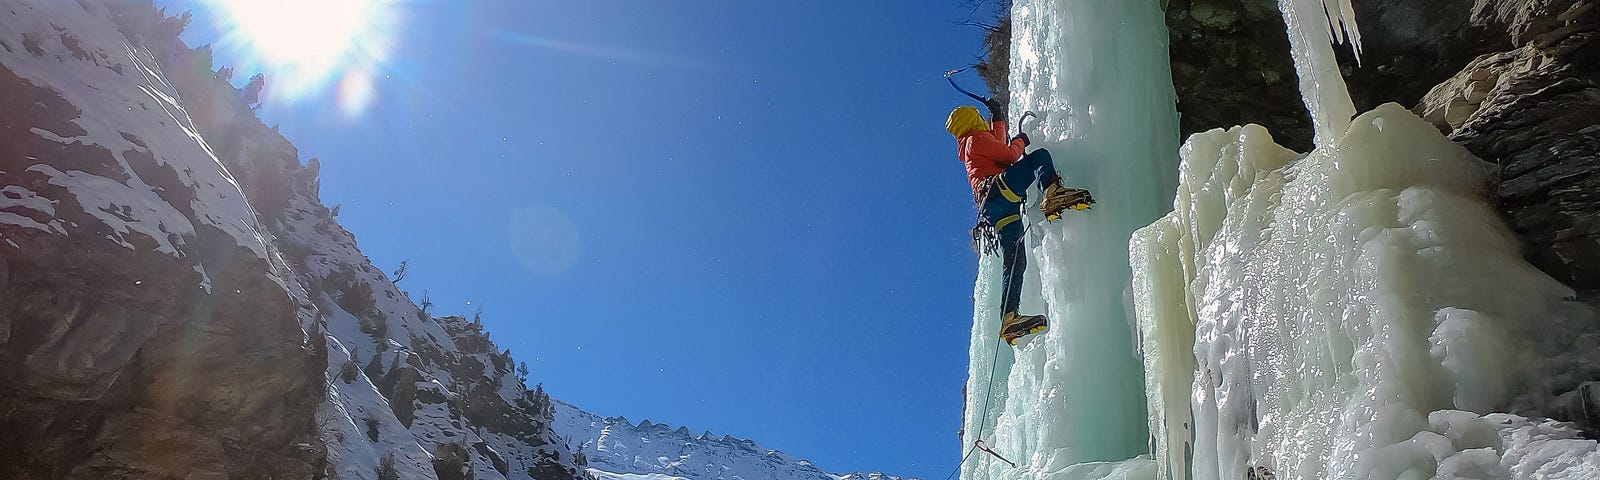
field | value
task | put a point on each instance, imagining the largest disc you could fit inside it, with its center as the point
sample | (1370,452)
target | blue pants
(1003,209)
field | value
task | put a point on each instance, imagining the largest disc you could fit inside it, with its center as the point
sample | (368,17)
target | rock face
(1535,111)
(1512,80)
(146,327)
(1231,66)
(177,302)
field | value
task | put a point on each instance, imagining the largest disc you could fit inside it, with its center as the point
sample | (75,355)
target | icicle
(1349,32)
(1311,28)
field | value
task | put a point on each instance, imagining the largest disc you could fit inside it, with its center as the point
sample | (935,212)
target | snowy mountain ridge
(616,448)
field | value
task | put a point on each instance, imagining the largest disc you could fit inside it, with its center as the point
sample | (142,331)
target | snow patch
(107,101)
(14,198)
(617,448)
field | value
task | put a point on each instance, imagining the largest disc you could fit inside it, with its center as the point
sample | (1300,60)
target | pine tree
(452,462)
(348,371)
(252,90)
(541,401)
(202,58)
(173,26)
(374,368)
(400,273)
(427,303)
(385,468)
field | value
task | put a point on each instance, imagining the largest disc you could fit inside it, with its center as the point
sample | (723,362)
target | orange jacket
(986,152)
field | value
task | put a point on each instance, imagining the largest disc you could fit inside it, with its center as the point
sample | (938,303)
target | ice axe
(1022,121)
(951,73)
(979,444)
(948,77)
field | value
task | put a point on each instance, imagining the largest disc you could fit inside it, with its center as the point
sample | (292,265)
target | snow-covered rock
(147,329)
(179,303)
(618,449)
(420,386)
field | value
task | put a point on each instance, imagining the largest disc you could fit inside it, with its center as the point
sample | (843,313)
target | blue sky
(769,222)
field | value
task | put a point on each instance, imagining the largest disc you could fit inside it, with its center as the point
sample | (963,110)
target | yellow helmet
(965,119)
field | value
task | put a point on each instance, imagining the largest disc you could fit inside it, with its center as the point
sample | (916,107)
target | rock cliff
(177,302)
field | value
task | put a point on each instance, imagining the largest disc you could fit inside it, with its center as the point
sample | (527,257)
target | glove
(1024,137)
(997,110)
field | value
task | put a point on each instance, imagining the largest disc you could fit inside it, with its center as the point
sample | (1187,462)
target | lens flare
(544,239)
(305,46)
(355,91)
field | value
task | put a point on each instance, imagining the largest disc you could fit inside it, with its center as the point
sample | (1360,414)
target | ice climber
(1000,176)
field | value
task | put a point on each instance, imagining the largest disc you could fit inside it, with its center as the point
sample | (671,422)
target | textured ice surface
(1359,311)
(1097,74)
(1338,302)
(1341,314)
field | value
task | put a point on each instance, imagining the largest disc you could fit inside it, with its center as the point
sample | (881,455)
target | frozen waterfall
(1358,311)
(1097,74)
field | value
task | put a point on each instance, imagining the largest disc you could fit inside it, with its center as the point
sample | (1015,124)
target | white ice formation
(1356,312)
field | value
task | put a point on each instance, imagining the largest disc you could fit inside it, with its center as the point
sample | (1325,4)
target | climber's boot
(1058,197)
(1014,326)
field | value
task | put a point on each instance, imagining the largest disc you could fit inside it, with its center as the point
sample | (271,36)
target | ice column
(1312,24)
(1097,73)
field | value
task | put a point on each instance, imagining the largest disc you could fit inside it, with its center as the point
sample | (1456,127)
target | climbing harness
(986,236)
(979,443)
(983,417)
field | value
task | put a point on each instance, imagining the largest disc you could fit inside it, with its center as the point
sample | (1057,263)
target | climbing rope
(984,417)
(979,443)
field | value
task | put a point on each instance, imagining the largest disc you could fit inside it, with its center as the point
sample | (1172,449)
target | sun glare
(307,45)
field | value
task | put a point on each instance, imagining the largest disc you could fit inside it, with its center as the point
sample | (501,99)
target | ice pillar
(1097,73)
(1312,25)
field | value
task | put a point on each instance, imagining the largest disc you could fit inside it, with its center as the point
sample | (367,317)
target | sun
(307,45)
